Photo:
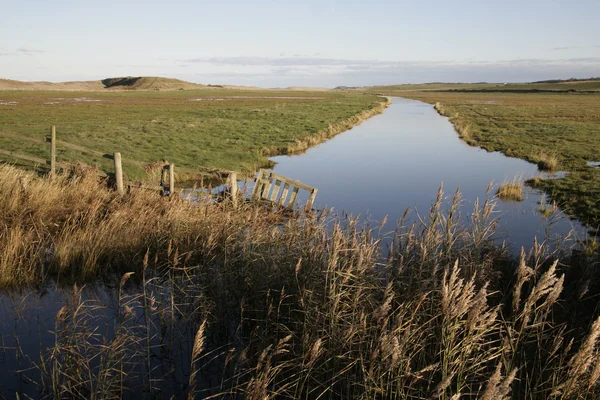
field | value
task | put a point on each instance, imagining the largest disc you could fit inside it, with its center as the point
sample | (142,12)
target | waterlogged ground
(397,160)
(98,327)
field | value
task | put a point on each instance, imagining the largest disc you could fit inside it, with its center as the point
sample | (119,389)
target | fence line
(265,181)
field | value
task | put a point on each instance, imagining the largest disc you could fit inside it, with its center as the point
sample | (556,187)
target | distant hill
(8,84)
(594,79)
(149,83)
(588,85)
(121,83)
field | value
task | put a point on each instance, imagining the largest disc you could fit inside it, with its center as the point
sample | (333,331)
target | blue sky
(301,43)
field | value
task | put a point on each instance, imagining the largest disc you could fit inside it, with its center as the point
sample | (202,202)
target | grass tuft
(546,162)
(512,191)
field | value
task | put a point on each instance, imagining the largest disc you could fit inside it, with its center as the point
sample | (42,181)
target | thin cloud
(564,48)
(336,64)
(574,47)
(374,72)
(29,50)
(277,62)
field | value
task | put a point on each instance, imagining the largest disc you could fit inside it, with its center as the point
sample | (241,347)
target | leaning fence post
(118,172)
(171,179)
(311,200)
(53,151)
(257,185)
(234,188)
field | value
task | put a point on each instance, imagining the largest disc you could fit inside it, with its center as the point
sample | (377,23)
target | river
(398,160)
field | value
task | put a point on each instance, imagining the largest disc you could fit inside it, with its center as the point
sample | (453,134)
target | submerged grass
(245,303)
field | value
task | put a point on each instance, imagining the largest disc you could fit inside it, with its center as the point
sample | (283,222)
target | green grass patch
(219,128)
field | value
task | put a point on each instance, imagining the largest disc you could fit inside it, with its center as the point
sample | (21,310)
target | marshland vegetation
(210,127)
(510,191)
(212,301)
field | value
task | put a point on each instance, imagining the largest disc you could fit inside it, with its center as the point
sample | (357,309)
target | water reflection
(398,160)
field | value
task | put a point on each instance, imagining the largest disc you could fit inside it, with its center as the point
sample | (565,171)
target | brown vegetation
(510,191)
(546,162)
(300,307)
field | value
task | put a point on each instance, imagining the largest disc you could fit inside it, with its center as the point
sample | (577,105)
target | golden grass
(512,191)
(299,307)
(546,162)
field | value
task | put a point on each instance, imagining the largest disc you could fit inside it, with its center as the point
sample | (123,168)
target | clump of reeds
(512,191)
(546,162)
(547,210)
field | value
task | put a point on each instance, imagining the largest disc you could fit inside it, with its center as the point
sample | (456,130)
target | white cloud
(28,50)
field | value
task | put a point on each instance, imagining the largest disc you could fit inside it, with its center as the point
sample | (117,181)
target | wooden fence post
(293,197)
(234,188)
(164,176)
(53,151)
(257,185)
(171,179)
(311,200)
(118,172)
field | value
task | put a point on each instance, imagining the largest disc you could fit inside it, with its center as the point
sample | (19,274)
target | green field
(562,86)
(219,128)
(526,125)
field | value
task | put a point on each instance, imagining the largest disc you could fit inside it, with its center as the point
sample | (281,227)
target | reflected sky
(397,160)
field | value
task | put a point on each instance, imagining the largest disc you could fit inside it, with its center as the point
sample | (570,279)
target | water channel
(399,159)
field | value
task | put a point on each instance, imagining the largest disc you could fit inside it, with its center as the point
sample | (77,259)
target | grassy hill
(120,83)
(8,84)
(149,83)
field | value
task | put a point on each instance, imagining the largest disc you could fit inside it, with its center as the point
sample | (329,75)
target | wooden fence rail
(269,184)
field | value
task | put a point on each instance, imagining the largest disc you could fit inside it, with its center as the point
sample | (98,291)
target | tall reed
(245,302)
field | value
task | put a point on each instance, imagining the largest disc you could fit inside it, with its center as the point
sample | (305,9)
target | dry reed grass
(512,191)
(546,162)
(263,307)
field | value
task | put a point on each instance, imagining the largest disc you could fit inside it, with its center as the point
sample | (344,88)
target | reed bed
(217,302)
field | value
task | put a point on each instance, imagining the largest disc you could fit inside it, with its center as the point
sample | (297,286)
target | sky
(319,43)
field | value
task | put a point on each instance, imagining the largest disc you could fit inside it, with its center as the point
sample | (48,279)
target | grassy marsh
(213,127)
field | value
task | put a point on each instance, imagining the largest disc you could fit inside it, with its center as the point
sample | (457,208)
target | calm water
(397,160)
